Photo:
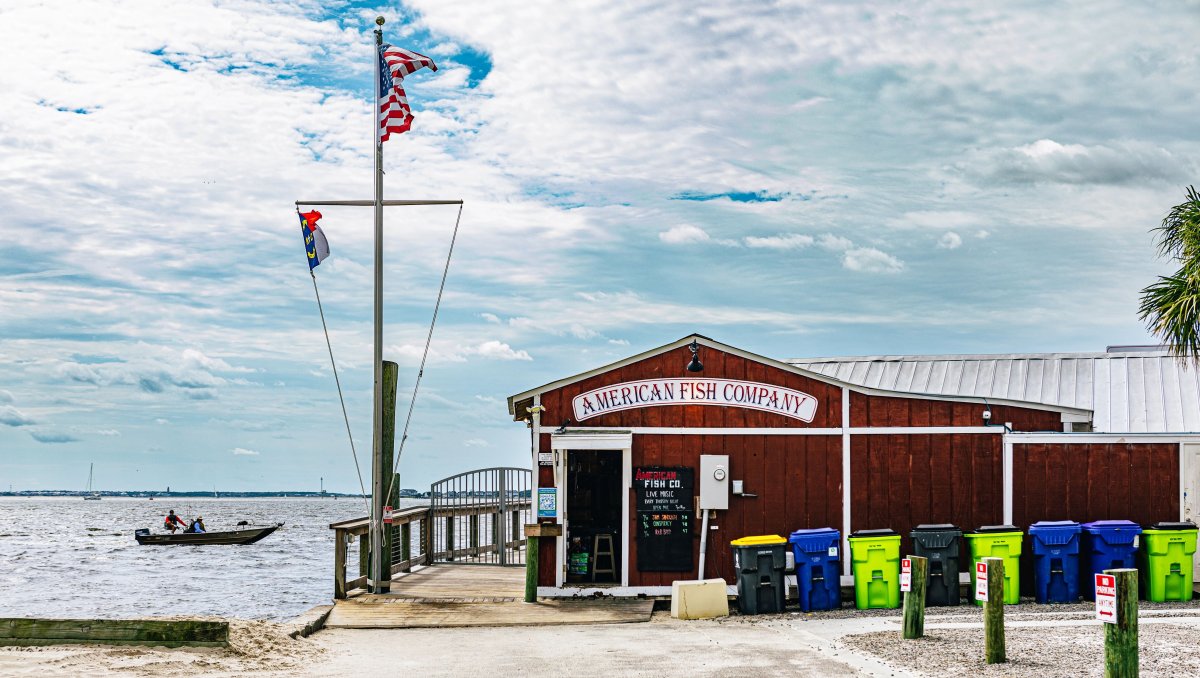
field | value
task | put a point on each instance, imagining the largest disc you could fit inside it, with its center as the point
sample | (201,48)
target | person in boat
(173,522)
(197,526)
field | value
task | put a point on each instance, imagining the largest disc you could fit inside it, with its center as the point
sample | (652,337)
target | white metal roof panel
(1128,391)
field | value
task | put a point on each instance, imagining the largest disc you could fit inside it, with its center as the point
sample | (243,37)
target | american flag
(395,63)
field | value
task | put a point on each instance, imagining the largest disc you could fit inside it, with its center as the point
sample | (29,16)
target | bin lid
(940,527)
(1185,525)
(813,532)
(985,529)
(1054,526)
(760,540)
(874,533)
(1112,525)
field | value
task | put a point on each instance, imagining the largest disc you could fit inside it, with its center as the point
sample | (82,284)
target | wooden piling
(993,612)
(387,469)
(1121,639)
(914,599)
(531,569)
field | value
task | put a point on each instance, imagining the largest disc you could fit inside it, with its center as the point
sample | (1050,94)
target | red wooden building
(806,450)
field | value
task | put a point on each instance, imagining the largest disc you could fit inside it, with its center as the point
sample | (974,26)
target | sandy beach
(1044,642)
(662,647)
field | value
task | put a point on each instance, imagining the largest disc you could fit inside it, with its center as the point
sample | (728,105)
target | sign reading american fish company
(751,395)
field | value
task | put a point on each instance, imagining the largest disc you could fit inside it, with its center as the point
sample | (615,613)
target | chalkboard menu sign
(664,518)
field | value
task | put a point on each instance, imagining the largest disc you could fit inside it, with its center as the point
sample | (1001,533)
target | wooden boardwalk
(475,595)
(457,583)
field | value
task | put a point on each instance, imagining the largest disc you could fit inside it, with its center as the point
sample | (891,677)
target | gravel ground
(1063,652)
(968,612)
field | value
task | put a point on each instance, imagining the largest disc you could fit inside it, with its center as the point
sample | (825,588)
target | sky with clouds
(794,178)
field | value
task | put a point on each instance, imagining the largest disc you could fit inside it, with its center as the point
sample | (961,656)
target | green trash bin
(998,541)
(1168,549)
(875,555)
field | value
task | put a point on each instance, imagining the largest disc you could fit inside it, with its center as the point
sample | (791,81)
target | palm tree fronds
(1179,234)
(1171,309)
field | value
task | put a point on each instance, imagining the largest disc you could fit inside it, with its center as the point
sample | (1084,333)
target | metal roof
(1136,391)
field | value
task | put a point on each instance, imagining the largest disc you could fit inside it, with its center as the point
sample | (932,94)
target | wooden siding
(798,480)
(1097,481)
(1100,481)
(876,410)
(901,481)
(717,365)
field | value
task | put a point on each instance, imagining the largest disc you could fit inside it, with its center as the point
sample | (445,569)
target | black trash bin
(760,562)
(941,545)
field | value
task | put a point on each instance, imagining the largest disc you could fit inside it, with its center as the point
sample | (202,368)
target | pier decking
(463,595)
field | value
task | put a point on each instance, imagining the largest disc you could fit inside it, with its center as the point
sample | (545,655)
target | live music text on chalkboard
(664,518)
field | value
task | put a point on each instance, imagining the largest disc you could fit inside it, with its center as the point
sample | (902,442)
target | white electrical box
(714,481)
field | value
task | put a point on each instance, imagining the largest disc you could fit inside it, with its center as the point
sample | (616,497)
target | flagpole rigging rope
(425,355)
(354,453)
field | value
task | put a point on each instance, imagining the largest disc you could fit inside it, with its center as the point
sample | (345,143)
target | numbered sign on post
(1106,598)
(981,582)
(387,514)
(906,575)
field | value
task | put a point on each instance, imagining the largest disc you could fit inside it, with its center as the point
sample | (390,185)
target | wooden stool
(607,553)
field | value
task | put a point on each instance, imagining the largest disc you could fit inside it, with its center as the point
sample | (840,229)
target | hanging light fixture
(695,365)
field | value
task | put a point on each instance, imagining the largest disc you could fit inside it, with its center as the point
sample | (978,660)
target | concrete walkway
(662,648)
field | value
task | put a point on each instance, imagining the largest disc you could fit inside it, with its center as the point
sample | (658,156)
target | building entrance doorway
(593,518)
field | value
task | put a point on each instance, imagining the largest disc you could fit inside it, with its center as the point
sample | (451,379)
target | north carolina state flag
(315,243)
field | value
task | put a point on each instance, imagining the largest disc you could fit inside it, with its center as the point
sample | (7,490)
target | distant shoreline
(146,494)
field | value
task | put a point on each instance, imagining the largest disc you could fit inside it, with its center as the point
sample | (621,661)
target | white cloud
(490,317)
(475,442)
(1046,160)
(683,234)
(834,243)
(981,234)
(108,432)
(950,241)
(497,350)
(243,452)
(791,241)
(871,260)
(11,416)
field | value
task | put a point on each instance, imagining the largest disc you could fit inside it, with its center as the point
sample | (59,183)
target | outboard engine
(142,532)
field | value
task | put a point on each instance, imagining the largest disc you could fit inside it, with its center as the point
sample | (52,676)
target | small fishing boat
(243,535)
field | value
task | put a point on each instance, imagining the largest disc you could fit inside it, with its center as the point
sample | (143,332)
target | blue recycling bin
(1055,560)
(818,577)
(1107,545)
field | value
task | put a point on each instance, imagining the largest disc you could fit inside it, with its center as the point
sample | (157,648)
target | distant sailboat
(92,495)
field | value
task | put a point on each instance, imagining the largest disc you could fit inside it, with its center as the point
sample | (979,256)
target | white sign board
(906,575)
(981,582)
(695,391)
(545,459)
(1106,598)
(387,515)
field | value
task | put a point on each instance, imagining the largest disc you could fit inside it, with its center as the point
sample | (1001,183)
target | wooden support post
(450,537)
(427,538)
(406,546)
(387,467)
(516,530)
(914,599)
(531,569)
(993,612)
(339,565)
(473,533)
(497,534)
(364,555)
(1121,639)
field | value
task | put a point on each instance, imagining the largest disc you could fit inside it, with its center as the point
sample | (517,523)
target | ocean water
(66,557)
